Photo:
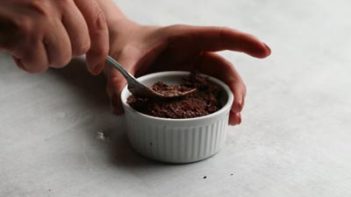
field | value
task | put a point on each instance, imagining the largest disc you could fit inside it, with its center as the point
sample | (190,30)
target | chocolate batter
(204,101)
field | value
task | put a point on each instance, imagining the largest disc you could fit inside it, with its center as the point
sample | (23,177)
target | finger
(215,65)
(34,60)
(234,118)
(76,28)
(217,39)
(58,45)
(99,36)
(116,83)
(28,54)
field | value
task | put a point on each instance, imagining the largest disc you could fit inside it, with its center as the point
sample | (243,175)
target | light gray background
(295,139)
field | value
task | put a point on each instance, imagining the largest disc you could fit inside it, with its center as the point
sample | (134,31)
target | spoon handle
(120,68)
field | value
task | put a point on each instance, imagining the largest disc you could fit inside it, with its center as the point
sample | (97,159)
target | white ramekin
(177,140)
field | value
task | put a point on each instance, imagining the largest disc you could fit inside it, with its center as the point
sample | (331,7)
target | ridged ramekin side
(177,144)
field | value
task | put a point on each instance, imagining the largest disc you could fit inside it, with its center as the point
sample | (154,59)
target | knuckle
(100,26)
(172,30)
(99,38)
(100,22)
(25,25)
(40,6)
(173,33)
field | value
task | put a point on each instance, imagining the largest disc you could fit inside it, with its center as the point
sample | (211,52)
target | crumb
(205,177)
(101,136)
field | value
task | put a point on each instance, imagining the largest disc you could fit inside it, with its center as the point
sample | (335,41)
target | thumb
(116,82)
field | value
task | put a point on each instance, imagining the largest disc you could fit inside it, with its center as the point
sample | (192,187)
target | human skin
(144,49)
(47,33)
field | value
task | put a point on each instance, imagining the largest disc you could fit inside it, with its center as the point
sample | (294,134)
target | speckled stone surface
(58,137)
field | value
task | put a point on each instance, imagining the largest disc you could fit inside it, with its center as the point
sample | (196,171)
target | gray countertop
(295,139)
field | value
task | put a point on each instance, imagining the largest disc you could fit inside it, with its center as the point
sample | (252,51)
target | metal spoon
(139,89)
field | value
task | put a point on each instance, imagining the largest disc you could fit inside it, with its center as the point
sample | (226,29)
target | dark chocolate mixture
(205,100)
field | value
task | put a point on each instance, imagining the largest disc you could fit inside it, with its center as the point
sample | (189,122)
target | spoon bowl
(140,90)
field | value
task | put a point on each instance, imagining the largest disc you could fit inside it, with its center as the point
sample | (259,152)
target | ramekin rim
(224,108)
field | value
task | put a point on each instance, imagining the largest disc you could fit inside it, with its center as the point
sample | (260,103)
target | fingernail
(100,21)
(268,48)
(95,70)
